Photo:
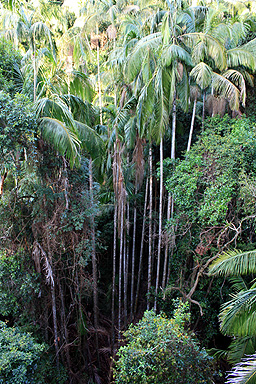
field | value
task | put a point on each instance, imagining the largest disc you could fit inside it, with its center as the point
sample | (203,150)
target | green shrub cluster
(160,351)
(19,356)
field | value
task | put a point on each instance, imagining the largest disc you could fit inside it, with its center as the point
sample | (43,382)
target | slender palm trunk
(94,263)
(55,326)
(133,252)
(115,177)
(120,269)
(126,262)
(173,127)
(166,251)
(113,280)
(150,223)
(160,223)
(35,72)
(98,69)
(192,125)
(170,206)
(64,327)
(203,113)
(141,247)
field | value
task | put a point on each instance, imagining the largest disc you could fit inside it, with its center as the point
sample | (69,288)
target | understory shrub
(24,361)
(160,351)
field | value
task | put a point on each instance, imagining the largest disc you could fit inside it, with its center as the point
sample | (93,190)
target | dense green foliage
(211,181)
(97,225)
(10,77)
(19,356)
(160,350)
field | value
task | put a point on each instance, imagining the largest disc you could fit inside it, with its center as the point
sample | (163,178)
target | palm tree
(237,317)
(220,62)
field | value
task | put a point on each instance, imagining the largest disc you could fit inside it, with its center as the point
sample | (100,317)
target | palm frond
(244,372)
(136,58)
(227,89)
(238,316)
(240,57)
(240,347)
(234,263)
(222,32)
(239,32)
(202,74)
(81,86)
(61,137)
(250,47)
(215,48)
(237,78)
(90,140)
(238,283)
(173,53)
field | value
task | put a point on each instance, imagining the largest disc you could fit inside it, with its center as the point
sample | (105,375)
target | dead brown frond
(111,32)
(216,105)
(38,253)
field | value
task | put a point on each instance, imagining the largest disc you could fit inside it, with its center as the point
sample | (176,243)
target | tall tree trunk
(126,262)
(150,222)
(113,279)
(55,326)
(98,69)
(133,251)
(160,223)
(35,72)
(94,263)
(141,246)
(203,113)
(64,328)
(192,125)
(170,205)
(2,179)
(115,181)
(120,269)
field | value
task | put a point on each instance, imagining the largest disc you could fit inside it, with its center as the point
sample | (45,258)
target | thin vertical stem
(98,69)
(141,246)
(150,223)
(133,252)
(120,270)
(113,280)
(170,199)
(203,114)
(160,223)
(192,125)
(94,262)
(126,262)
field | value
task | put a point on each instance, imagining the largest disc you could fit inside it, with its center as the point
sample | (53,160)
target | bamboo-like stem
(113,280)
(160,223)
(133,252)
(203,113)
(64,327)
(141,247)
(98,69)
(126,262)
(150,223)
(55,326)
(192,125)
(170,199)
(94,263)
(35,74)
(120,271)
